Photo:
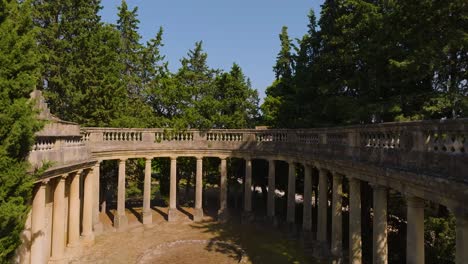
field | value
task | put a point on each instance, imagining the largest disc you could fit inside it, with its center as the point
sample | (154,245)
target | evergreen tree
(130,49)
(81,67)
(18,75)
(238,102)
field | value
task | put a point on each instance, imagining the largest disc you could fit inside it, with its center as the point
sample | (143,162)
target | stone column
(291,209)
(380,248)
(198,212)
(147,215)
(461,252)
(322,206)
(222,213)
(87,234)
(336,235)
(248,188)
(307,211)
(97,225)
(271,189)
(120,219)
(74,211)
(415,230)
(172,213)
(37,224)
(58,222)
(355,240)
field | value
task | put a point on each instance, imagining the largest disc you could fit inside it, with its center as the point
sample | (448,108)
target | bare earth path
(185,241)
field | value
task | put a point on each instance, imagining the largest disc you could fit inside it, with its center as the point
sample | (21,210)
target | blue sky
(241,31)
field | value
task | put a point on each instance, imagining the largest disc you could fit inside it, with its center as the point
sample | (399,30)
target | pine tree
(18,75)
(238,102)
(81,67)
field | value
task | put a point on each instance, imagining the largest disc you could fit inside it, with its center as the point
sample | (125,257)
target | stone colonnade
(76,228)
(62,216)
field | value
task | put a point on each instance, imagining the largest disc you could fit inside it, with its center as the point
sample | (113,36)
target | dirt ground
(173,242)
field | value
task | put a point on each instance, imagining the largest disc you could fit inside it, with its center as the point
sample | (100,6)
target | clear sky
(241,31)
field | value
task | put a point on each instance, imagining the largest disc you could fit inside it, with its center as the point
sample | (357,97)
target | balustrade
(122,136)
(224,136)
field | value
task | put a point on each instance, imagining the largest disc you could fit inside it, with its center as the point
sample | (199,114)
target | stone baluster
(322,206)
(74,211)
(380,247)
(355,236)
(38,224)
(222,213)
(172,213)
(88,234)
(271,189)
(337,232)
(307,211)
(415,230)
(147,215)
(58,222)
(120,218)
(291,209)
(198,212)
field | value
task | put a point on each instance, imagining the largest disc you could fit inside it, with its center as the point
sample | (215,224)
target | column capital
(63,176)
(247,158)
(223,157)
(337,176)
(173,157)
(44,182)
(376,186)
(122,160)
(414,201)
(199,157)
(148,159)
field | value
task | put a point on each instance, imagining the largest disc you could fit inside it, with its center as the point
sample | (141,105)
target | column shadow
(163,214)
(185,212)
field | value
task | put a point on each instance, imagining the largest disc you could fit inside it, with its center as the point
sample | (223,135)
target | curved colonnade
(421,160)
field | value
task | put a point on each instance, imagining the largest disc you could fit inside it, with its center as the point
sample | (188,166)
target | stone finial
(41,105)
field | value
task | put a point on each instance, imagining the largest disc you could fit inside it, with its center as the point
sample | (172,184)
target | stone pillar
(307,211)
(120,219)
(87,234)
(147,215)
(97,224)
(37,224)
(198,212)
(74,211)
(222,213)
(322,206)
(291,209)
(415,230)
(58,223)
(380,248)
(336,235)
(172,212)
(461,252)
(355,240)
(248,187)
(271,189)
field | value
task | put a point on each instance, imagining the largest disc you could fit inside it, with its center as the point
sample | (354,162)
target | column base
(247,217)
(197,214)
(61,260)
(147,218)
(223,215)
(120,222)
(172,215)
(98,228)
(87,239)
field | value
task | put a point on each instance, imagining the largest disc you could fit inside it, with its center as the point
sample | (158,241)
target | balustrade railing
(44,144)
(224,136)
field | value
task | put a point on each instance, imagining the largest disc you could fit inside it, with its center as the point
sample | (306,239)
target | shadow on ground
(261,243)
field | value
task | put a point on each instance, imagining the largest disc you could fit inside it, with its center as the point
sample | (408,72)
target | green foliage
(18,74)
(439,237)
(373,61)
